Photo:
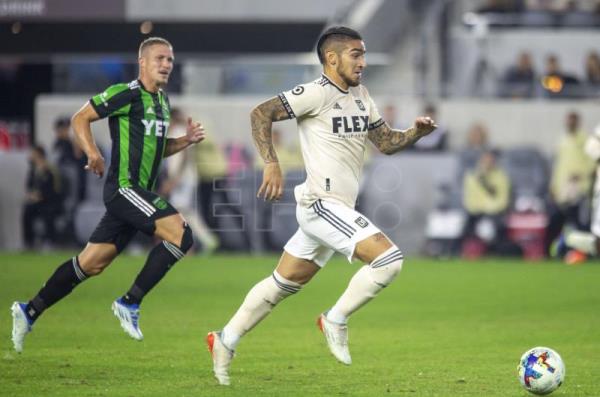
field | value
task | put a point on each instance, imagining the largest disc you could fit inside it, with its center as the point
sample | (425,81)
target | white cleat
(336,336)
(221,357)
(128,316)
(21,325)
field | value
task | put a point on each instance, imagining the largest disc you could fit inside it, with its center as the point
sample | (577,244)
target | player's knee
(282,288)
(94,268)
(386,267)
(187,239)
(94,271)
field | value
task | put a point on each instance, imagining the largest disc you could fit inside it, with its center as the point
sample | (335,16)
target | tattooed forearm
(379,236)
(390,141)
(262,118)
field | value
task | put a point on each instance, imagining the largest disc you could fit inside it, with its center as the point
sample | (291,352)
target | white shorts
(327,227)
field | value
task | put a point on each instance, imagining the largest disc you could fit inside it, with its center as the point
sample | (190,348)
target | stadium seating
(528,171)
(580,19)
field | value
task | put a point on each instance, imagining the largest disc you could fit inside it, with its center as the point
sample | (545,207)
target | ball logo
(298,90)
(541,370)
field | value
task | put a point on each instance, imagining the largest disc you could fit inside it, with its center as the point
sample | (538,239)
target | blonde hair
(150,41)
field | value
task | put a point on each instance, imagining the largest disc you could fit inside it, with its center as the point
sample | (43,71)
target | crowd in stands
(56,183)
(42,198)
(522,80)
(500,191)
(199,182)
(515,201)
(552,6)
(543,77)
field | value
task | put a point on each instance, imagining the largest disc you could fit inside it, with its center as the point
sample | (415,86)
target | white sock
(366,283)
(259,302)
(581,241)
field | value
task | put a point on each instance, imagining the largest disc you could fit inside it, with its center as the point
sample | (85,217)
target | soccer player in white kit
(589,242)
(335,116)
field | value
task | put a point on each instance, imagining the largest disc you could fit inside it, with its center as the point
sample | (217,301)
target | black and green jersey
(138,121)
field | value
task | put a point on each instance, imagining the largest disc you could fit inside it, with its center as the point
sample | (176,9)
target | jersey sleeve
(303,100)
(113,101)
(375,120)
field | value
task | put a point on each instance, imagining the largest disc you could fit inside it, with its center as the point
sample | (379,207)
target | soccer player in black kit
(138,115)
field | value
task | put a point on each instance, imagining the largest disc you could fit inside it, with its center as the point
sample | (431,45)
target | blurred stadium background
(521,77)
(459,57)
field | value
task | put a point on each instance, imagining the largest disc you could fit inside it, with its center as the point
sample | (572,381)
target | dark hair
(430,108)
(335,33)
(150,41)
(39,150)
(62,122)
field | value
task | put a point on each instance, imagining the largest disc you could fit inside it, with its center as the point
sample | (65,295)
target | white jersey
(333,125)
(592,149)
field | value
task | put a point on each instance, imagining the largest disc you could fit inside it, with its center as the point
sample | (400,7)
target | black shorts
(130,210)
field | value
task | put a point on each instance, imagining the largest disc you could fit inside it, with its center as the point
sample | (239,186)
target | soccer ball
(541,370)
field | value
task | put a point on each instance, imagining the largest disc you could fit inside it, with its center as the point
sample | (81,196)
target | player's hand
(424,125)
(96,164)
(272,184)
(194,132)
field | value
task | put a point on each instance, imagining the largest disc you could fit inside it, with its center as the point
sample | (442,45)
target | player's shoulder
(121,89)
(324,86)
(311,90)
(311,86)
(329,86)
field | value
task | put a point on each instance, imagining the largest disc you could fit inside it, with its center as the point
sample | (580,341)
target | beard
(350,81)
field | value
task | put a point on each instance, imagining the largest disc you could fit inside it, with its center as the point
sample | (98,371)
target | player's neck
(148,84)
(336,79)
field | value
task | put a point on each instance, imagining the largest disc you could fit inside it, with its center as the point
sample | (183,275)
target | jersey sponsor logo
(360,105)
(160,127)
(348,124)
(159,203)
(337,106)
(362,222)
(298,90)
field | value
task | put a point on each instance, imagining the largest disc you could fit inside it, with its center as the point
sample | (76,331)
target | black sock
(161,259)
(66,277)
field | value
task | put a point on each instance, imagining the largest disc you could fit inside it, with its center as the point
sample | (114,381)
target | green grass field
(444,328)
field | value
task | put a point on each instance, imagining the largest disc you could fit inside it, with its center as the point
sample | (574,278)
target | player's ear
(332,57)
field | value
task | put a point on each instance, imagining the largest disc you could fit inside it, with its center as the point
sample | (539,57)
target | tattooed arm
(262,118)
(390,141)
